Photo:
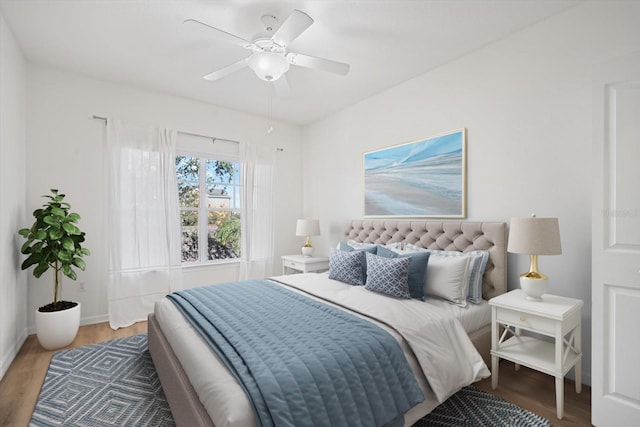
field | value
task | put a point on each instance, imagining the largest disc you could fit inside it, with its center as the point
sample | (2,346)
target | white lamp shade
(269,66)
(534,236)
(308,227)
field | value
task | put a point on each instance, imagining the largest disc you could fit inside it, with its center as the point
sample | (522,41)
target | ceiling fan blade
(223,34)
(292,27)
(318,63)
(281,86)
(223,72)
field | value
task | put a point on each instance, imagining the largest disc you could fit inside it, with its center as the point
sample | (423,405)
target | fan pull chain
(269,113)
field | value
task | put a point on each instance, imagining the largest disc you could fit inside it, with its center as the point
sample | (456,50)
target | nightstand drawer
(292,264)
(303,264)
(526,321)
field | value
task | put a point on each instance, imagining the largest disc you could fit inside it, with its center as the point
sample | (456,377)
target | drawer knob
(522,318)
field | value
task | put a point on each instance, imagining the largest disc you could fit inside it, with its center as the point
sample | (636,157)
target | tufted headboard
(458,236)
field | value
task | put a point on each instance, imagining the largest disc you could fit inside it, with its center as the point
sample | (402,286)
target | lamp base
(534,288)
(307,251)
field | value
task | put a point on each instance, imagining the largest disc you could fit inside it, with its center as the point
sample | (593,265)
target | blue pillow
(369,249)
(388,276)
(417,269)
(346,266)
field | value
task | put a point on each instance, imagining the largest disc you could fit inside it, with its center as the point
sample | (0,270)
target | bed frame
(458,236)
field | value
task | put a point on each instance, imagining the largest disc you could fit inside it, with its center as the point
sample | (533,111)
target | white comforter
(438,349)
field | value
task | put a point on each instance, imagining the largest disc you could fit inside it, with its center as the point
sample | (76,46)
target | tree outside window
(209,197)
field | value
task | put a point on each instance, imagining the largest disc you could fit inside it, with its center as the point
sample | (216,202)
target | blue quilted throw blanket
(302,362)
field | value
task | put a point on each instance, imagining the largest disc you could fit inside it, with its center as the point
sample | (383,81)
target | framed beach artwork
(423,178)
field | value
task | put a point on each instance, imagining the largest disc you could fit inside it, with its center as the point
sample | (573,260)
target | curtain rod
(212,138)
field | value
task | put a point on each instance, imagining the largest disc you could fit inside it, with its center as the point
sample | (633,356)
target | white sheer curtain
(256,168)
(143,220)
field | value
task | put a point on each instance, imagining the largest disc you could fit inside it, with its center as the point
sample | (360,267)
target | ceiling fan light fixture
(268,66)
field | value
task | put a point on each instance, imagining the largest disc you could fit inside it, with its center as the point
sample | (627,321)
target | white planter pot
(57,329)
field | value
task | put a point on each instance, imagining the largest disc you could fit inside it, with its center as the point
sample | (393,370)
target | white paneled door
(616,244)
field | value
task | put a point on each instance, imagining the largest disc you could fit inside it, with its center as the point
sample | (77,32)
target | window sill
(214,264)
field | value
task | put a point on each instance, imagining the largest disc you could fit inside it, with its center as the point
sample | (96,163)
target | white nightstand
(554,316)
(303,264)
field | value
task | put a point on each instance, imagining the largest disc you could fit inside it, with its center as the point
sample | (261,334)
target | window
(209,198)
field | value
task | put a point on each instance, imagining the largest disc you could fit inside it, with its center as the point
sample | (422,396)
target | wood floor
(532,390)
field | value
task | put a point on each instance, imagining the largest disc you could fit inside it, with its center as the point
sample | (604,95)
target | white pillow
(448,278)
(395,246)
(359,245)
(479,260)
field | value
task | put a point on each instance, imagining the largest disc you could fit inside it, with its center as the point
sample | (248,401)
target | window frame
(203,209)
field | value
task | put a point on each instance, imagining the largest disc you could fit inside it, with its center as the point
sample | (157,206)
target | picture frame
(423,178)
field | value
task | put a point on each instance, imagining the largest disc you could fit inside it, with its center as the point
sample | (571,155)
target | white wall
(65,149)
(13,282)
(526,104)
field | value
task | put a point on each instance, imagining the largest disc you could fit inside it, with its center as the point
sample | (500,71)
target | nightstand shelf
(535,354)
(303,264)
(556,317)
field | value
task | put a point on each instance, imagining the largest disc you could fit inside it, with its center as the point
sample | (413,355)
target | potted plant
(55,241)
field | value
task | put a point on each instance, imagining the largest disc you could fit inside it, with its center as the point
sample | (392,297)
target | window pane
(223,235)
(188,194)
(187,168)
(236,198)
(220,172)
(189,228)
(218,199)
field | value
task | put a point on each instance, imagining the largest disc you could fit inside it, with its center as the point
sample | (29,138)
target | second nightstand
(554,316)
(303,264)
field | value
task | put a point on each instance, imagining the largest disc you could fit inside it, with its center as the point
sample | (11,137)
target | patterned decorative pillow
(371,249)
(478,265)
(346,266)
(388,276)
(417,269)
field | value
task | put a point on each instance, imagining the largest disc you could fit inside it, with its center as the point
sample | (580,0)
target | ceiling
(145,43)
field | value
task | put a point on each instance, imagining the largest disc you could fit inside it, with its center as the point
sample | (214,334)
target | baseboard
(91,320)
(7,359)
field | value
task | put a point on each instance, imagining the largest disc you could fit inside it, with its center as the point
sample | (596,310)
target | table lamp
(534,236)
(307,228)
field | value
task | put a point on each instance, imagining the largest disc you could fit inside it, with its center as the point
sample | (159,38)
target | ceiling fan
(270,59)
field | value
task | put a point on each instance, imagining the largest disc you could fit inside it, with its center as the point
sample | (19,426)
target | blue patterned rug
(114,383)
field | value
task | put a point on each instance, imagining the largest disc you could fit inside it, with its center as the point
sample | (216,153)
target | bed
(449,236)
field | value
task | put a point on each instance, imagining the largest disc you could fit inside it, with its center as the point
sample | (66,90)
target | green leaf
(24,232)
(78,262)
(70,274)
(41,268)
(41,234)
(64,255)
(33,259)
(55,233)
(68,244)
(73,217)
(85,251)
(58,212)
(51,220)
(26,247)
(70,228)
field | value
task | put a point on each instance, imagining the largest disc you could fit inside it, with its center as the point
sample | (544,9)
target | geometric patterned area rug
(114,383)
(473,407)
